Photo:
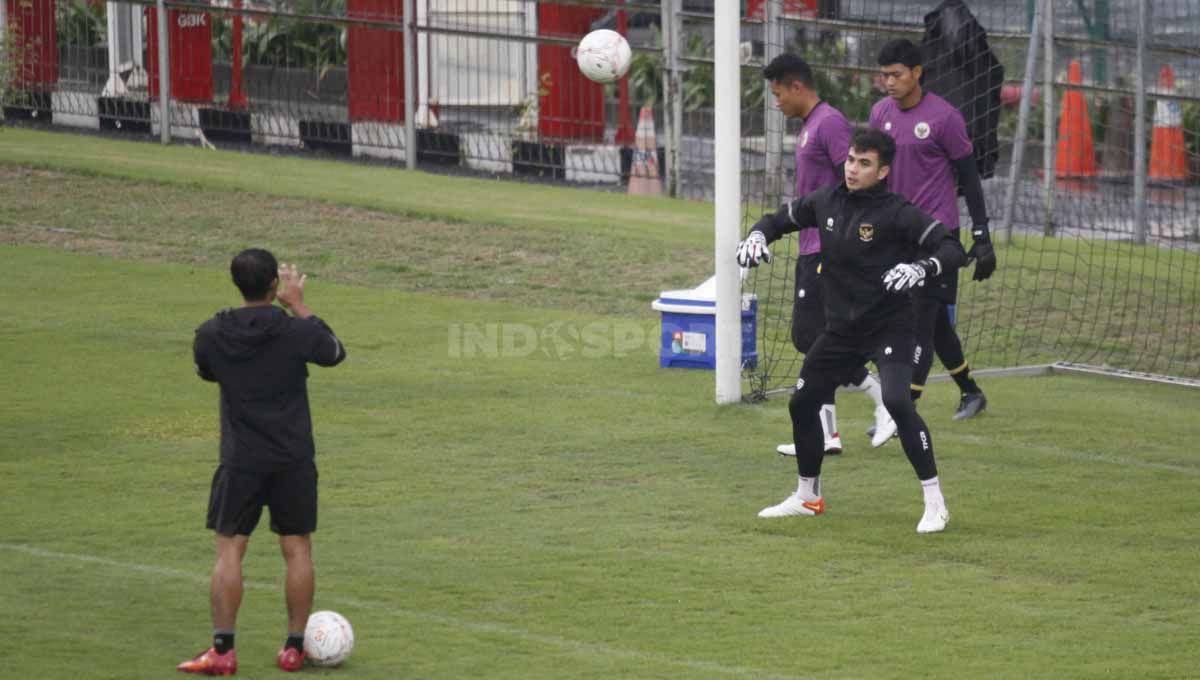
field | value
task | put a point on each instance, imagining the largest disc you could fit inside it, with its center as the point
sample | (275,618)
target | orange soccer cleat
(211,663)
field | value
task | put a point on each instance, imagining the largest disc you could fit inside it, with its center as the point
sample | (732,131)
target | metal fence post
(774,123)
(1022,133)
(1139,129)
(410,72)
(164,74)
(670,94)
(1048,150)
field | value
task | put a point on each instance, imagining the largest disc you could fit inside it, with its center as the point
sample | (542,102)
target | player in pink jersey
(934,157)
(821,148)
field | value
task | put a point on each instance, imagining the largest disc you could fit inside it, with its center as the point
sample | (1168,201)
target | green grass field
(566,510)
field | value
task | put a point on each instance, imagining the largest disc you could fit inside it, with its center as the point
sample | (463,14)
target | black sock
(966,384)
(295,641)
(223,641)
(949,350)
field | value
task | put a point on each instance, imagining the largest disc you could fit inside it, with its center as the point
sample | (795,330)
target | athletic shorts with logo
(834,356)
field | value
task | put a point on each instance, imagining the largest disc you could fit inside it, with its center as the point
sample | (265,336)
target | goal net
(1093,269)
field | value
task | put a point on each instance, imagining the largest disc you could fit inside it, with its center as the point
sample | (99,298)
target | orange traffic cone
(643,172)
(1168,159)
(1076,154)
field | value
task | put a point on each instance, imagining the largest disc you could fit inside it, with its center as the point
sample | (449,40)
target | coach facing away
(259,355)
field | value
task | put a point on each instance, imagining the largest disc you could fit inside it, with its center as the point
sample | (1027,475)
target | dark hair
(900,51)
(253,271)
(787,68)
(871,139)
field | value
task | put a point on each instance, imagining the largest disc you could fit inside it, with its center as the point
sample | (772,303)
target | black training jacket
(863,235)
(259,357)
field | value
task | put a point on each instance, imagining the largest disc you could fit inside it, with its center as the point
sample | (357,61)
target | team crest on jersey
(887,125)
(866,232)
(829,224)
(921,130)
(804,139)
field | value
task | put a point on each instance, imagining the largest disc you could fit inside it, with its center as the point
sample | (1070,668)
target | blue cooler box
(689,327)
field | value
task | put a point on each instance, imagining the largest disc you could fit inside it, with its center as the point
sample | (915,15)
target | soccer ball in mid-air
(603,55)
(328,638)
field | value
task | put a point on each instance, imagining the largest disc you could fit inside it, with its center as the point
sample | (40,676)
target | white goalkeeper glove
(905,277)
(753,250)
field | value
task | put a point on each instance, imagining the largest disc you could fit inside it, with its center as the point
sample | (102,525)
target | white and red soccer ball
(328,639)
(603,56)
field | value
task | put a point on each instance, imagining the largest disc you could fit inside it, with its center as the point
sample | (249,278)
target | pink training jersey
(821,149)
(928,136)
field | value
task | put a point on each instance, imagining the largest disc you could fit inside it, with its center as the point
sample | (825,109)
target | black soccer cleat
(971,405)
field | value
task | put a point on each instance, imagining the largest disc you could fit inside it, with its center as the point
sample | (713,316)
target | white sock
(873,389)
(809,488)
(829,421)
(933,491)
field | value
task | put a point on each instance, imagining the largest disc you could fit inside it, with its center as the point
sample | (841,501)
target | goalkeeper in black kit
(876,249)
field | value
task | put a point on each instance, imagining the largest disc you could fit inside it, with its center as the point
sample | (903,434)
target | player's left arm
(942,252)
(961,152)
(981,246)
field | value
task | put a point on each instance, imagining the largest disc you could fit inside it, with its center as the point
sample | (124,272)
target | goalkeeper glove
(753,250)
(904,277)
(982,252)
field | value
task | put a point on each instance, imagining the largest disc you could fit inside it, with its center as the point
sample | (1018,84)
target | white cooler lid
(699,300)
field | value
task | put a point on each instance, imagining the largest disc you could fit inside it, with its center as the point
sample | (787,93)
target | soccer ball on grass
(328,638)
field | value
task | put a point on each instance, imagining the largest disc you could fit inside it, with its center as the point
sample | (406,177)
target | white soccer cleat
(794,506)
(833,445)
(885,427)
(934,520)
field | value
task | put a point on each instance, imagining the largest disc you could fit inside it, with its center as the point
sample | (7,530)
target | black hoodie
(863,235)
(259,357)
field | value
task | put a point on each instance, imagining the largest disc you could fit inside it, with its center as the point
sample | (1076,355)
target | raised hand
(753,250)
(291,287)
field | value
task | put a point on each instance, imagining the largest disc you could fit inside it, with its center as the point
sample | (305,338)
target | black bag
(961,68)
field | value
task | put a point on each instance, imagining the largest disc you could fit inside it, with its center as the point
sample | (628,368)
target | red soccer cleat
(290,659)
(211,663)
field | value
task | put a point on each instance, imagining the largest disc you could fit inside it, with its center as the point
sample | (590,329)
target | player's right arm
(320,345)
(790,217)
(200,357)
(873,118)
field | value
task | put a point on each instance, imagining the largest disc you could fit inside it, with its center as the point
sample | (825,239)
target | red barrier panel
(375,62)
(190,54)
(37,37)
(755,9)
(573,106)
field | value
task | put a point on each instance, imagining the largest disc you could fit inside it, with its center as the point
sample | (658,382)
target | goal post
(727,198)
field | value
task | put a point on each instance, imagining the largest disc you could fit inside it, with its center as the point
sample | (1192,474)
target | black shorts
(838,356)
(808,305)
(238,496)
